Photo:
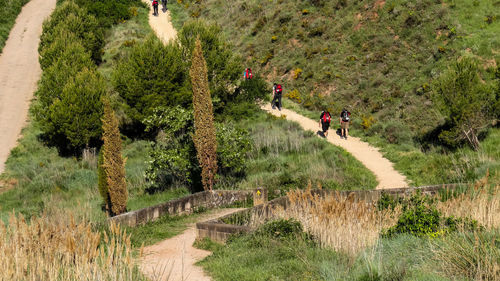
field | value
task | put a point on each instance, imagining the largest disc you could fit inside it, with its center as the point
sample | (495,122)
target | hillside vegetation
(377,57)
(391,63)
(9,9)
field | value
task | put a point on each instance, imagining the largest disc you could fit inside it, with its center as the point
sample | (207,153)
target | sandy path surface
(173,259)
(161,24)
(366,154)
(20,72)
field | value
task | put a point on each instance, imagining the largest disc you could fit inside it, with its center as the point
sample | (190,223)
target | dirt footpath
(173,259)
(20,72)
(383,169)
(161,24)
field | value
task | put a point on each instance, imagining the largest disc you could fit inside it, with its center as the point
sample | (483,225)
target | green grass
(45,181)
(9,10)
(262,257)
(285,156)
(121,39)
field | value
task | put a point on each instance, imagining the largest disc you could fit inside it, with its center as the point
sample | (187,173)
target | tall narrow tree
(204,135)
(112,162)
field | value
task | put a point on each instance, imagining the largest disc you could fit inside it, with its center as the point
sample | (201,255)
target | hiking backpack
(346,115)
(155,3)
(248,73)
(278,89)
(326,117)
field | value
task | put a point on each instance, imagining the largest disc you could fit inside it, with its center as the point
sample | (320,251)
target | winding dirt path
(383,169)
(20,72)
(174,259)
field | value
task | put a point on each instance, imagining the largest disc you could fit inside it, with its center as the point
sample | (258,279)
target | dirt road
(20,72)
(383,169)
(173,259)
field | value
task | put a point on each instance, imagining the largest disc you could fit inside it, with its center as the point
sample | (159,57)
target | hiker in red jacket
(277,90)
(155,7)
(324,122)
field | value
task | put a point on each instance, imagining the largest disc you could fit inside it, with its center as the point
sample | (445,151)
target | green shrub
(151,76)
(224,68)
(73,18)
(396,133)
(421,218)
(72,60)
(281,229)
(233,146)
(74,119)
(466,102)
(173,156)
(109,12)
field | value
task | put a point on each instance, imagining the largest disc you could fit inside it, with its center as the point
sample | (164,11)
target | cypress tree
(113,163)
(102,182)
(204,135)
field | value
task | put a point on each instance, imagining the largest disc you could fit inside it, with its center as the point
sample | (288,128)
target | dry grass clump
(61,249)
(479,204)
(336,221)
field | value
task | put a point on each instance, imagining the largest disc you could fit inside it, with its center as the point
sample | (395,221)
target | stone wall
(184,205)
(217,230)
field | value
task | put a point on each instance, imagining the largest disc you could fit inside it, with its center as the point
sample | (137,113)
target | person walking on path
(345,117)
(164,4)
(155,7)
(277,90)
(324,122)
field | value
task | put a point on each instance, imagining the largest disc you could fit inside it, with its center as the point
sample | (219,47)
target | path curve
(174,259)
(383,169)
(20,72)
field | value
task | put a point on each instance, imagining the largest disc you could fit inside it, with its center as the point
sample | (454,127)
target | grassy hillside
(9,9)
(379,58)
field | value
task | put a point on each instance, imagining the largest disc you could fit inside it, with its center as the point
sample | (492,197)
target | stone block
(259,196)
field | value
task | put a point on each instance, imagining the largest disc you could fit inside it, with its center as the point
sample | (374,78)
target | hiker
(345,117)
(247,74)
(277,90)
(155,7)
(164,4)
(324,122)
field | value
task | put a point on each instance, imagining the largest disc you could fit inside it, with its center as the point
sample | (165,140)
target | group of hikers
(324,119)
(155,4)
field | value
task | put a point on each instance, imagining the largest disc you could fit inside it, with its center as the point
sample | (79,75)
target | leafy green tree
(72,60)
(173,154)
(63,41)
(204,129)
(223,68)
(113,163)
(73,119)
(466,102)
(152,76)
(73,18)
(233,145)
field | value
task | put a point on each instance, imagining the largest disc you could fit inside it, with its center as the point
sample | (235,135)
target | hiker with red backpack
(324,122)
(155,7)
(247,74)
(277,90)
(345,117)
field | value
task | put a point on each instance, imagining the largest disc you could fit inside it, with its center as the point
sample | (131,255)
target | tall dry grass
(350,225)
(342,223)
(49,248)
